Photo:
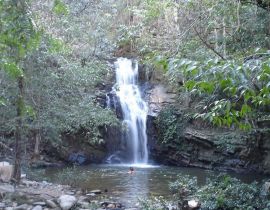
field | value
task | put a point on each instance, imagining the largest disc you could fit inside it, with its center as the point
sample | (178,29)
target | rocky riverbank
(32,195)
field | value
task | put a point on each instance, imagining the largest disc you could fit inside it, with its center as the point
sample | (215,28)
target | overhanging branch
(207,44)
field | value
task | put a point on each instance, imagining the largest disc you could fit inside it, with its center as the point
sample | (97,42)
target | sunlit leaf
(60,8)
(12,69)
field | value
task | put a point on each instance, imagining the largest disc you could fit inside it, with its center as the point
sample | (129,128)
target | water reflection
(136,186)
(127,188)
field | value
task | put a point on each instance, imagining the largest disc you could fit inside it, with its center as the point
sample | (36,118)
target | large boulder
(38,207)
(193,204)
(66,201)
(78,158)
(266,188)
(51,204)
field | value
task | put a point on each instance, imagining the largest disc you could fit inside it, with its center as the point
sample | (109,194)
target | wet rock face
(198,144)
(114,146)
(158,96)
(75,149)
(177,140)
(113,103)
(78,158)
(157,92)
(151,132)
(211,148)
(151,75)
(265,145)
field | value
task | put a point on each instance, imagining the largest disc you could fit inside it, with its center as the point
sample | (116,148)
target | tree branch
(256,56)
(207,44)
(5,146)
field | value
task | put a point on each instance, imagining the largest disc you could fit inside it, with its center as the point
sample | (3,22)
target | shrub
(223,192)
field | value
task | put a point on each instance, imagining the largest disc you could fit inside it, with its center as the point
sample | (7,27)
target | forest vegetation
(56,66)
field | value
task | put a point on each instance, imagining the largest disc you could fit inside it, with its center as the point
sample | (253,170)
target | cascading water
(134,110)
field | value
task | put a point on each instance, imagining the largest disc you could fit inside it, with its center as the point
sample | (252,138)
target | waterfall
(134,110)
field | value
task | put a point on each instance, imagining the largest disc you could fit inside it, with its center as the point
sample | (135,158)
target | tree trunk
(224,38)
(37,143)
(216,41)
(18,133)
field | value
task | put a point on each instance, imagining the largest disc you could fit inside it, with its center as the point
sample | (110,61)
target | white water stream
(134,110)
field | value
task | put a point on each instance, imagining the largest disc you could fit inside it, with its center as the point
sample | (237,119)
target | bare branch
(207,44)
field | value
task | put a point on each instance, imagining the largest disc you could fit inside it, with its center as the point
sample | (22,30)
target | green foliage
(12,70)
(60,92)
(160,62)
(184,186)
(127,35)
(171,124)
(231,92)
(222,192)
(65,98)
(28,111)
(18,36)
(60,8)
(155,203)
(57,46)
(228,142)
(2,101)
(154,9)
(236,90)
(229,193)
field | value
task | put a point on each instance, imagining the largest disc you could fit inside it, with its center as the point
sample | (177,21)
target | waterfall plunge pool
(124,187)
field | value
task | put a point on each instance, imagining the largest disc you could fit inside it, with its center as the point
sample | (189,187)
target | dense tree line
(215,51)
(54,59)
(49,83)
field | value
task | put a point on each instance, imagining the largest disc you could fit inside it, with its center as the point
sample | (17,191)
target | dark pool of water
(127,188)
